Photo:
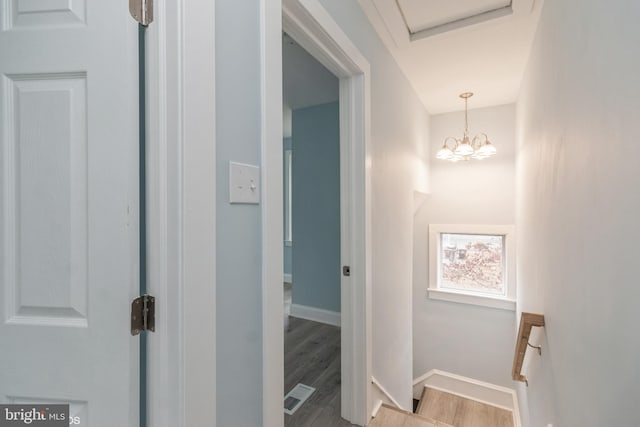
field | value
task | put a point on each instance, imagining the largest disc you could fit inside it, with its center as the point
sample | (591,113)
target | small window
(472,264)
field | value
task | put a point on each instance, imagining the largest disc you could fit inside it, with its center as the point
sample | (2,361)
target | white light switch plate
(244,183)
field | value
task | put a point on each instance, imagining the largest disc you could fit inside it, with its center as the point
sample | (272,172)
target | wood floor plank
(461,412)
(312,357)
(389,417)
(432,421)
(464,416)
(476,414)
(504,418)
(422,402)
(416,421)
(327,383)
(439,406)
(329,417)
(303,417)
(308,355)
(319,354)
(299,336)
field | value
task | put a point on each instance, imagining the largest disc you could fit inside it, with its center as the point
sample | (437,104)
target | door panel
(68,207)
(48,190)
(33,14)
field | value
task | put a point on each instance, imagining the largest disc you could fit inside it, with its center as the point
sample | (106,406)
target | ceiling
(447,47)
(305,82)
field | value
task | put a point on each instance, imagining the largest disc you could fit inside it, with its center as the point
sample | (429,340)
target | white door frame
(272,213)
(182,213)
(315,30)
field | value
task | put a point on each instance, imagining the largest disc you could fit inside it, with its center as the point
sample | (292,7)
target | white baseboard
(288,278)
(315,314)
(381,395)
(480,391)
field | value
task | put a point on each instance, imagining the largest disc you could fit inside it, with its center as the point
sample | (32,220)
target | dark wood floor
(312,357)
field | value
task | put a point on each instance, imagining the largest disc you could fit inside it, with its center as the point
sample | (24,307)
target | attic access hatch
(409,21)
(424,18)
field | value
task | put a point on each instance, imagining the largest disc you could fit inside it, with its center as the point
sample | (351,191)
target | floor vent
(296,397)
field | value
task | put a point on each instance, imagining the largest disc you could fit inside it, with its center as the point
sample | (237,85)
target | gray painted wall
(468,340)
(238,239)
(316,206)
(577,213)
(305,83)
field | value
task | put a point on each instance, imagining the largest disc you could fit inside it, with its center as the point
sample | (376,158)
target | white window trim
(506,302)
(288,190)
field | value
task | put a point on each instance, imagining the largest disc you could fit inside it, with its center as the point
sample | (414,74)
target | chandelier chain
(466,116)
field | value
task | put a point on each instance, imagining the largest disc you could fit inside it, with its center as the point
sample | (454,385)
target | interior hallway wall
(398,167)
(463,339)
(238,237)
(577,209)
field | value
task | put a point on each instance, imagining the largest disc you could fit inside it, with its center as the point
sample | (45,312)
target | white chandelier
(464,149)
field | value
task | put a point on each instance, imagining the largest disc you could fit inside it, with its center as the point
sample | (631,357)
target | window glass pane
(288,232)
(472,262)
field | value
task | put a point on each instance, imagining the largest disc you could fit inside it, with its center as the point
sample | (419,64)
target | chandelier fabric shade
(477,148)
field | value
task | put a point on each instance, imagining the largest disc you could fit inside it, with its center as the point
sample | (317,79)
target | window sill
(473,299)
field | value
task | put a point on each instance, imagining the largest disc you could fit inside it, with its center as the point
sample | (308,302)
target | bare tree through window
(472,262)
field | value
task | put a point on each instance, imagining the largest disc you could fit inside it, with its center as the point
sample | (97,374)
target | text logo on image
(34,415)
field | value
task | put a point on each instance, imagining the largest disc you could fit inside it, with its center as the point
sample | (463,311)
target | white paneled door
(68,207)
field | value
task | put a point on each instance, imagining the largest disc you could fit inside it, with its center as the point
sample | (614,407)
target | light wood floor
(461,412)
(312,357)
(389,416)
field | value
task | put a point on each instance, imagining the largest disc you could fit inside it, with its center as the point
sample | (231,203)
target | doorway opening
(310,25)
(312,235)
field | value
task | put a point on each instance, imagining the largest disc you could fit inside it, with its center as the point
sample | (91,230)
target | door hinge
(142,11)
(143,314)
(346,270)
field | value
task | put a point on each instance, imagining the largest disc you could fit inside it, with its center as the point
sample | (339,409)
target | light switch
(244,183)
